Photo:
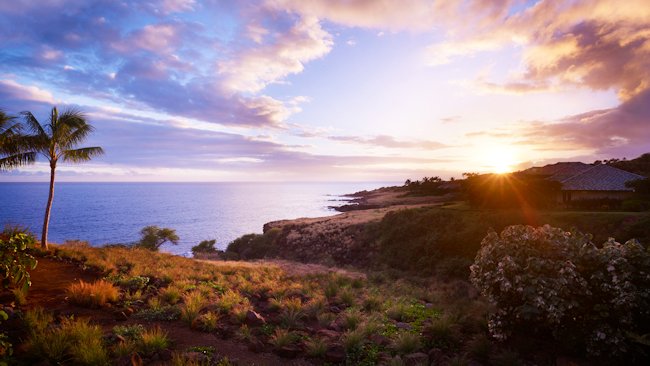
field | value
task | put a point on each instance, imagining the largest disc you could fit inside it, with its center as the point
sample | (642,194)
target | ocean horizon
(115,212)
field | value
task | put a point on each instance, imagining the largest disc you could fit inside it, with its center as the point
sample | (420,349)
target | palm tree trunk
(48,208)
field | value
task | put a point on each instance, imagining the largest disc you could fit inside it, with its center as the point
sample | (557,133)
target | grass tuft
(98,293)
(153,340)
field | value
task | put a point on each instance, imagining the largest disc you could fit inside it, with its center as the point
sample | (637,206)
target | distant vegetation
(511,190)
(428,186)
(444,240)
(639,165)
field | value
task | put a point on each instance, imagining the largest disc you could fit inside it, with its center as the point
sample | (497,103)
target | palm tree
(12,149)
(58,140)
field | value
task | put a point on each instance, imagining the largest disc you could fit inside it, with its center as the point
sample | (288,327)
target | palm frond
(16,160)
(4,119)
(82,154)
(71,128)
(32,123)
(8,132)
(76,135)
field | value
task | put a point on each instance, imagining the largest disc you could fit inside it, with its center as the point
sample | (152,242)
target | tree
(153,237)
(205,247)
(58,140)
(12,150)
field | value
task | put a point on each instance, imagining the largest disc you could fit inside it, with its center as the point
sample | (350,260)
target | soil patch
(50,280)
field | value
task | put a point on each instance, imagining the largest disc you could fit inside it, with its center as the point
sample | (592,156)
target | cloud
(160,38)
(412,15)
(451,119)
(182,66)
(389,142)
(615,132)
(12,91)
(595,44)
(253,69)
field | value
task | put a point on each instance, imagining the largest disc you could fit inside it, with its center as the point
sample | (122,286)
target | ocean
(109,213)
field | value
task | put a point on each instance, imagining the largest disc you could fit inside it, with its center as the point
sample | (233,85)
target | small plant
(282,338)
(331,289)
(442,332)
(406,343)
(134,297)
(371,303)
(153,340)
(316,347)
(244,333)
(479,347)
(229,299)
(90,352)
(15,261)
(239,312)
(121,349)
(351,319)
(98,293)
(132,332)
(194,302)
(75,339)
(353,341)
(132,283)
(398,312)
(292,314)
(37,319)
(207,322)
(166,313)
(347,297)
(325,318)
(20,295)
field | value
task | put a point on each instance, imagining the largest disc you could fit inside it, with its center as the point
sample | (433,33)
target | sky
(330,90)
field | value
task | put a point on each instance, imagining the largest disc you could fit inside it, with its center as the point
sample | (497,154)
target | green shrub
(560,283)
(255,246)
(15,260)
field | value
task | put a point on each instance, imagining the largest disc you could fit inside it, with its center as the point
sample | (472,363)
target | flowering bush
(549,280)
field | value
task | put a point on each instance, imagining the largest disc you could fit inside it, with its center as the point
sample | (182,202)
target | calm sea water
(103,213)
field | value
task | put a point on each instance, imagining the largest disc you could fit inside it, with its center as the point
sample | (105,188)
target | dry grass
(98,293)
(208,293)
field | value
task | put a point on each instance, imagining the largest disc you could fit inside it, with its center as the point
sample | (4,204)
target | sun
(501,159)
